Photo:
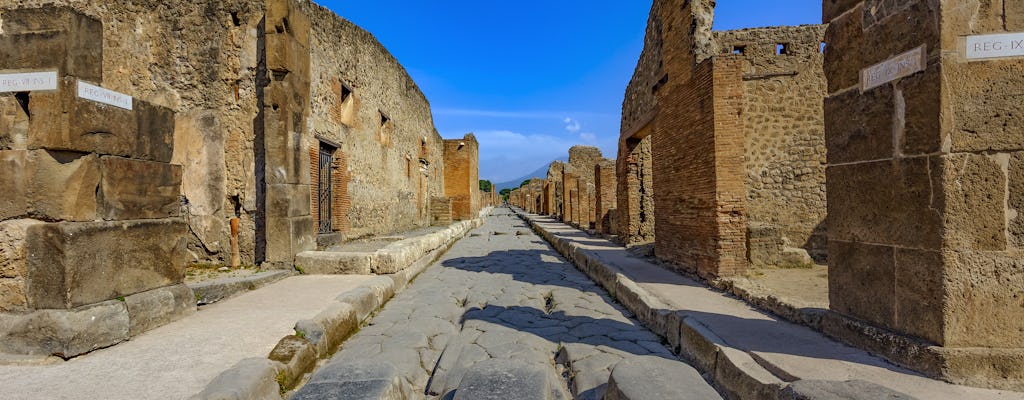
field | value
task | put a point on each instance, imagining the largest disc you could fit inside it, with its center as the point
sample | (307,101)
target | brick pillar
(605,202)
(925,186)
(568,185)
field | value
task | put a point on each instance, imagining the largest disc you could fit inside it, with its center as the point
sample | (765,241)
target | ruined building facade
(580,192)
(174,130)
(737,151)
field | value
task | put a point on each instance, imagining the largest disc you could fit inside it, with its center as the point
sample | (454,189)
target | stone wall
(364,101)
(557,198)
(736,149)
(462,176)
(605,202)
(924,186)
(91,212)
(783,123)
(163,53)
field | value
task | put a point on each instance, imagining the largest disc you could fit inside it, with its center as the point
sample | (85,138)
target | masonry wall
(605,202)
(557,197)
(462,177)
(162,50)
(924,185)
(784,141)
(395,167)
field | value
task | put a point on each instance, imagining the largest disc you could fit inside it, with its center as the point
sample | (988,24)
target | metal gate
(324,192)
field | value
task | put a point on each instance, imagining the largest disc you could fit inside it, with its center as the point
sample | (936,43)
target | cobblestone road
(500,293)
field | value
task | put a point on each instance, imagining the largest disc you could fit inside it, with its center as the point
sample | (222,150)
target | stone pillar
(605,202)
(925,185)
(288,227)
(568,185)
(92,245)
(462,176)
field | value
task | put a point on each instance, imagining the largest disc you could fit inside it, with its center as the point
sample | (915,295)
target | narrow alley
(501,298)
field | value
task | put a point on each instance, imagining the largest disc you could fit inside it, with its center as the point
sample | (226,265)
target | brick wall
(605,201)
(461,176)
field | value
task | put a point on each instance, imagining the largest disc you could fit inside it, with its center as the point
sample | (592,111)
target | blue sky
(532,78)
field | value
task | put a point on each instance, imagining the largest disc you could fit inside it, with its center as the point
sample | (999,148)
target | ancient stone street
(500,298)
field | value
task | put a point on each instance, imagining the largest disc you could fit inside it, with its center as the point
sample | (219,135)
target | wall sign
(28,81)
(95,93)
(1004,45)
(901,66)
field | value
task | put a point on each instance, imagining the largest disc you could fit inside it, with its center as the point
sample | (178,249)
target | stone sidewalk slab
(178,360)
(750,353)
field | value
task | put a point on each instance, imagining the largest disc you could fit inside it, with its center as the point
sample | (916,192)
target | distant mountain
(541,172)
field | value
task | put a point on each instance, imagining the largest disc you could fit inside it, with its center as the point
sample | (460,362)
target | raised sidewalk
(748,354)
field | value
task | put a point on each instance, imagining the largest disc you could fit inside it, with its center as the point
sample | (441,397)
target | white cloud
(507,155)
(571,125)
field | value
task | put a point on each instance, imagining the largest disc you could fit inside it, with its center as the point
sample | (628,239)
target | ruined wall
(605,202)
(395,166)
(205,61)
(924,183)
(581,162)
(462,176)
(557,197)
(783,122)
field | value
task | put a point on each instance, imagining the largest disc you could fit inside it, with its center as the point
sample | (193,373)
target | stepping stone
(355,380)
(655,378)
(500,379)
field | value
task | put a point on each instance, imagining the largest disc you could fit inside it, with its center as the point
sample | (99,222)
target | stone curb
(215,290)
(320,336)
(394,258)
(734,372)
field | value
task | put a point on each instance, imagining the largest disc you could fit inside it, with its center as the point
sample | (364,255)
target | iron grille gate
(324,192)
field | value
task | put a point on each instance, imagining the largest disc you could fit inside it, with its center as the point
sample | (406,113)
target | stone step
(655,378)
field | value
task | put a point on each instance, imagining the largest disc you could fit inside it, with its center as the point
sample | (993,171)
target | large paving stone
(65,333)
(499,379)
(78,263)
(836,390)
(355,380)
(654,378)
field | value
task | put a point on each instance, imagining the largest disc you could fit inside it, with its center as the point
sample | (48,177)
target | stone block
(838,390)
(287,156)
(650,377)
(52,38)
(251,378)
(919,306)
(12,295)
(860,281)
(975,203)
(12,247)
(288,200)
(298,357)
(62,121)
(65,333)
(498,379)
(983,300)
(1015,200)
(860,127)
(134,189)
(335,263)
(287,237)
(896,202)
(834,8)
(13,123)
(329,328)
(212,291)
(362,300)
(355,380)
(76,263)
(158,307)
(199,147)
(14,202)
(845,37)
(984,117)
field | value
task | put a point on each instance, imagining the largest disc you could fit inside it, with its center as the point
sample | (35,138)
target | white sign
(995,46)
(28,81)
(95,93)
(901,66)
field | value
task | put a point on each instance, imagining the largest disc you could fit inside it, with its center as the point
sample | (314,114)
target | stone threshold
(747,353)
(318,338)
